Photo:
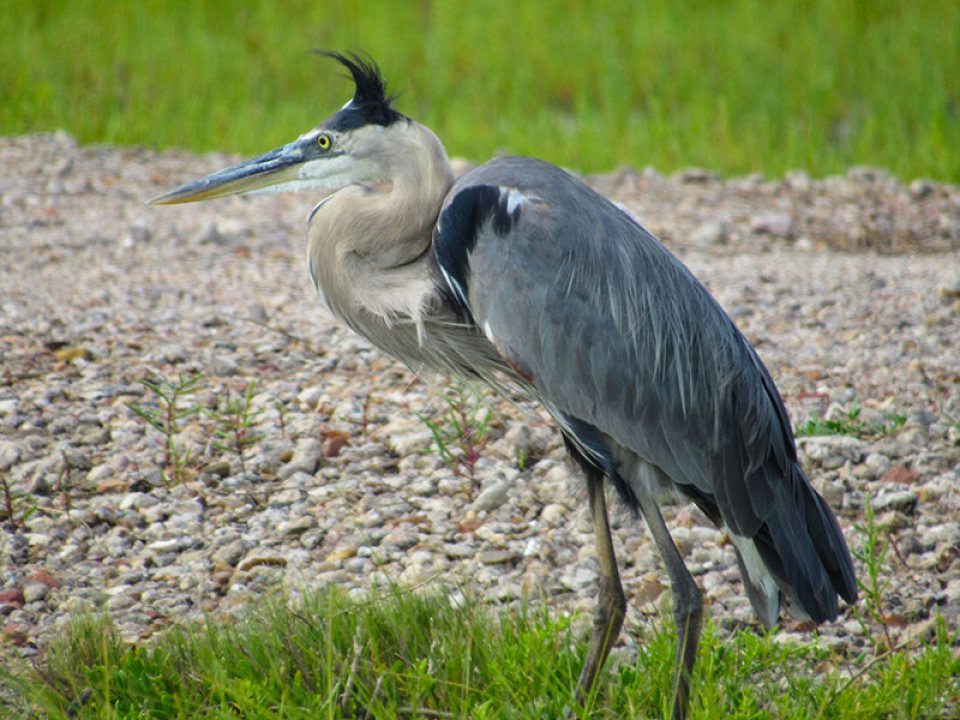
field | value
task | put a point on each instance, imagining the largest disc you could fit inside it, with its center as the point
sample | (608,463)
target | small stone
(220,468)
(497,557)
(492,496)
(164,546)
(648,592)
(833,448)
(696,176)
(297,526)
(259,558)
(310,397)
(341,553)
(893,520)
(710,233)
(223,366)
(775,224)
(111,485)
(921,188)
(45,577)
(121,601)
(459,551)
(402,539)
(833,493)
(16,633)
(904,501)
(68,354)
(580,576)
(554,513)
(798,180)
(229,554)
(909,544)
(307,456)
(13,596)
(526,444)
(942,536)
(35,591)
(9,455)
(334,441)
(899,475)
(950,287)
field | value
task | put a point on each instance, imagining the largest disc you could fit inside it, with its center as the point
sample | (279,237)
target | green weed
(16,506)
(461,432)
(166,414)
(875,582)
(235,423)
(849,423)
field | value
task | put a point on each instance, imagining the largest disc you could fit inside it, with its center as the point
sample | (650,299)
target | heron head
(355,146)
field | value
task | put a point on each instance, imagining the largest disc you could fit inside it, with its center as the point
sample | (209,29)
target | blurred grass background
(731,85)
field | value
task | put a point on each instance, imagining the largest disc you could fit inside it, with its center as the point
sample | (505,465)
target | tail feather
(802,547)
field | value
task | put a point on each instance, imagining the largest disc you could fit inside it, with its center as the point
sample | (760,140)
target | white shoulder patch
(515,198)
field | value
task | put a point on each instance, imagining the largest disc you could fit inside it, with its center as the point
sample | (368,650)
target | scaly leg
(687,606)
(611,602)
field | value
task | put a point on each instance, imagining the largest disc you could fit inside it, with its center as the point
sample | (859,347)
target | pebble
(903,501)
(9,455)
(710,233)
(307,455)
(776,224)
(492,496)
(230,554)
(35,591)
(497,557)
(554,513)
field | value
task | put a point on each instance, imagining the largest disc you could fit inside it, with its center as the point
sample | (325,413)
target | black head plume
(370,104)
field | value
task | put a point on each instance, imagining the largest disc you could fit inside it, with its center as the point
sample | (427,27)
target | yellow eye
(324,141)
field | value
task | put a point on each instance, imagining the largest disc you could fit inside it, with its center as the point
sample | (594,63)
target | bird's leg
(687,606)
(611,602)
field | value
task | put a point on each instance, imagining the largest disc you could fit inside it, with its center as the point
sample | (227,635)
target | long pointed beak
(269,170)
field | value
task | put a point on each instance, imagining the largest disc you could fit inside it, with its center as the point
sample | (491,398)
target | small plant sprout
(166,415)
(463,429)
(848,422)
(13,501)
(235,423)
(872,553)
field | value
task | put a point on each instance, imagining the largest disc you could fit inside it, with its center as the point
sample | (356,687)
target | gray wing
(613,331)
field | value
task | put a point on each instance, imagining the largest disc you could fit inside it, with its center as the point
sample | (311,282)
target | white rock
(164,546)
(554,513)
(310,397)
(9,455)
(710,233)
(35,591)
(492,496)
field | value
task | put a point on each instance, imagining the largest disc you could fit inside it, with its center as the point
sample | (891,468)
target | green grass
(406,656)
(736,86)
(849,423)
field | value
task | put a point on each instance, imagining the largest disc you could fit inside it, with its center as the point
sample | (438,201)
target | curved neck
(367,247)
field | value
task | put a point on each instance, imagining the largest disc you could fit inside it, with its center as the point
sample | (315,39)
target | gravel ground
(849,287)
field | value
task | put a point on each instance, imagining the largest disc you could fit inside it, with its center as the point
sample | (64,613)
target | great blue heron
(520,275)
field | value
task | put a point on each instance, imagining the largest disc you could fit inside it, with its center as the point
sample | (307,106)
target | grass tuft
(412,656)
